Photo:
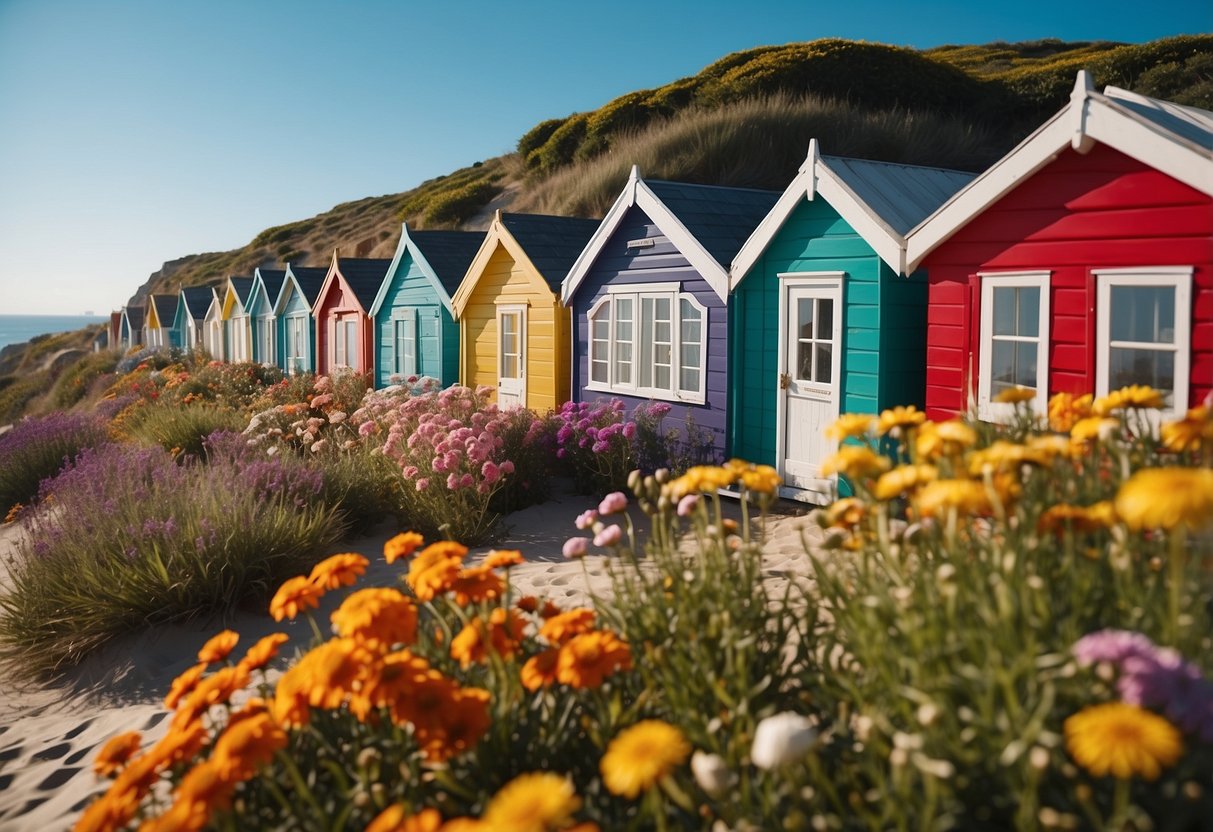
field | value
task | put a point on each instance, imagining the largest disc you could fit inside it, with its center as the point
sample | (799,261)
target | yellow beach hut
(515,336)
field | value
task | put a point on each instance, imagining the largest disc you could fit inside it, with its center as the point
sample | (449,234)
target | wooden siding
(296,305)
(661,263)
(339,300)
(1101,210)
(882,339)
(409,286)
(504,281)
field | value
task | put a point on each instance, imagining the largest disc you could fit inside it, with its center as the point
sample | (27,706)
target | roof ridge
(897,164)
(702,185)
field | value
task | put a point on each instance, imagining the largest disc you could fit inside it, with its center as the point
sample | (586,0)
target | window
(296,343)
(265,339)
(648,341)
(1142,331)
(345,341)
(1014,340)
(404,325)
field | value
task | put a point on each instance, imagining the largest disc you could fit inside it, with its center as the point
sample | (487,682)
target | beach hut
(514,333)
(212,326)
(822,321)
(189,320)
(237,328)
(293,314)
(415,331)
(132,326)
(1081,262)
(158,321)
(267,284)
(343,323)
(114,331)
(649,297)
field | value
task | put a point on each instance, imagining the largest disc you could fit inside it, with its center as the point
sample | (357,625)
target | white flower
(711,773)
(781,739)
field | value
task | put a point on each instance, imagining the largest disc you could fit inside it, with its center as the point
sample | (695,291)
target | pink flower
(321,401)
(423,484)
(366,428)
(629,430)
(608,536)
(467,481)
(507,467)
(452,481)
(613,502)
(575,547)
(410,471)
(490,472)
(586,519)
(687,504)
(337,417)
(439,463)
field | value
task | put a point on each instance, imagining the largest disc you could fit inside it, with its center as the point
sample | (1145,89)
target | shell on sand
(49,735)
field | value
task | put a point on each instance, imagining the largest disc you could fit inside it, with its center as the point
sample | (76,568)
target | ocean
(15,329)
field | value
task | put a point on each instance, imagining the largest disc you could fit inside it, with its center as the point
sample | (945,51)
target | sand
(49,735)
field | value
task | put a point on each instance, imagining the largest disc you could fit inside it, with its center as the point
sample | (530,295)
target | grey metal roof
(134,315)
(242,285)
(901,195)
(309,279)
(720,218)
(198,300)
(166,308)
(449,253)
(552,243)
(272,280)
(1191,123)
(364,275)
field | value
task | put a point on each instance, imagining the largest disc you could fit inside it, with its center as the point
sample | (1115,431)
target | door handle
(785,381)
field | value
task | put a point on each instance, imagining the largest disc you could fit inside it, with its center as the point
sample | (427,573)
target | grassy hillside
(744,120)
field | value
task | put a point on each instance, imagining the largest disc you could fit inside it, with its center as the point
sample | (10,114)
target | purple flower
(629,430)
(586,519)
(1111,646)
(608,536)
(575,547)
(613,502)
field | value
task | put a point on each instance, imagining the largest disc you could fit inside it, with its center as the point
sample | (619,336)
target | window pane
(1004,310)
(825,320)
(1002,366)
(804,361)
(661,377)
(825,366)
(688,379)
(1153,367)
(1145,314)
(1025,365)
(804,314)
(600,329)
(509,365)
(1029,311)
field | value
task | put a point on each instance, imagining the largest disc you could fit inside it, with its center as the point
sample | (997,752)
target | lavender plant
(38,447)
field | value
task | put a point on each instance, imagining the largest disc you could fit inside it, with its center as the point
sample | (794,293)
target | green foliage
(74,382)
(561,147)
(537,135)
(624,115)
(456,206)
(180,429)
(17,395)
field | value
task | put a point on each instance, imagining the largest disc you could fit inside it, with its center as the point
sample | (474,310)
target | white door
(810,364)
(511,356)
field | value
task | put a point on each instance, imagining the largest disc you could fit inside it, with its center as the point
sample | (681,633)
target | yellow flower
(116,753)
(1050,446)
(966,496)
(536,802)
(402,546)
(762,479)
(1065,409)
(1056,518)
(1163,498)
(936,439)
(1191,432)
(900,417)
(293,597)
(851,426)
(394,819)
(1005,456)
(1135,395)
(903,478)
(1014,395)
(502,558)
(700,479)
(339,570)
(847,512)
(1122,740)
(219,647)
(855,462)
(642,755)
(1094,427)
(586,660)
(379,617)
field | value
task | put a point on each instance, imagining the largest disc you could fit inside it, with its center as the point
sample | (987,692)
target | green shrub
(561,147)
(538,135)
(181,429)
(75,382)
(454,207)
(16,397)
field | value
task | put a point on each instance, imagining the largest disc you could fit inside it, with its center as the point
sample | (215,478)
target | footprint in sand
(57,778)
(78,730)
(52,753)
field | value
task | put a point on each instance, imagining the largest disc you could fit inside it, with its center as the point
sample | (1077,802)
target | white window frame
(988,410)
(635,292)
(405,317)
(1178,277)
(341,339)
(296,343)
(268,339)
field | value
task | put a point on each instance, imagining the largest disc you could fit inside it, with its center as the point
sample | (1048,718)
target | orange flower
(586,660)
(434,570)
(527,603)
(264,651)
(179,745)
(219,647)
(183,685)
(402,546)
(378,617)
(549,610)
(394,678)
(479,583)
(1191,432)
(847,512)
(497,559)
(429,698)
(393,819)
(116,753)
(323,678)
(294,596)
(215,689)
(540,669)
(464,722)
(560,628)
(503,635)
(203,790)
(246,745)
(1058,518)
(338,570)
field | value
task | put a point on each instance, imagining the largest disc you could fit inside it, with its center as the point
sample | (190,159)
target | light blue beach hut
(188,322)
(267,284)
(293,318)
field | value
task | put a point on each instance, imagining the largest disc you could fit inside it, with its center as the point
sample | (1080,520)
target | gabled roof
(241,286)
(1172,139)
(545,246)
(306,280)
(270,281)
(881,201)
(362,274)
(166,308)
(134,316)
(197,300)
(706,223)
(442,256)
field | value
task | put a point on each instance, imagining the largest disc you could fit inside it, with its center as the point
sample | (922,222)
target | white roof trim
(406,244)
(329,277)
(496,235)
(816,177)
(1088,118)
(284,292)
(637,193)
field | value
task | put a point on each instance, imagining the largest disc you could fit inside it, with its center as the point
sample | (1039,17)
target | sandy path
(49,735)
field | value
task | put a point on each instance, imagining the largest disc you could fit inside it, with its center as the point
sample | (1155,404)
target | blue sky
(138,131)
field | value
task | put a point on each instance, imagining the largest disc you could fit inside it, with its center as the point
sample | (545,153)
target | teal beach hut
(415,331)
(295,328)
(192,305)
(823,322)
(267,283)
